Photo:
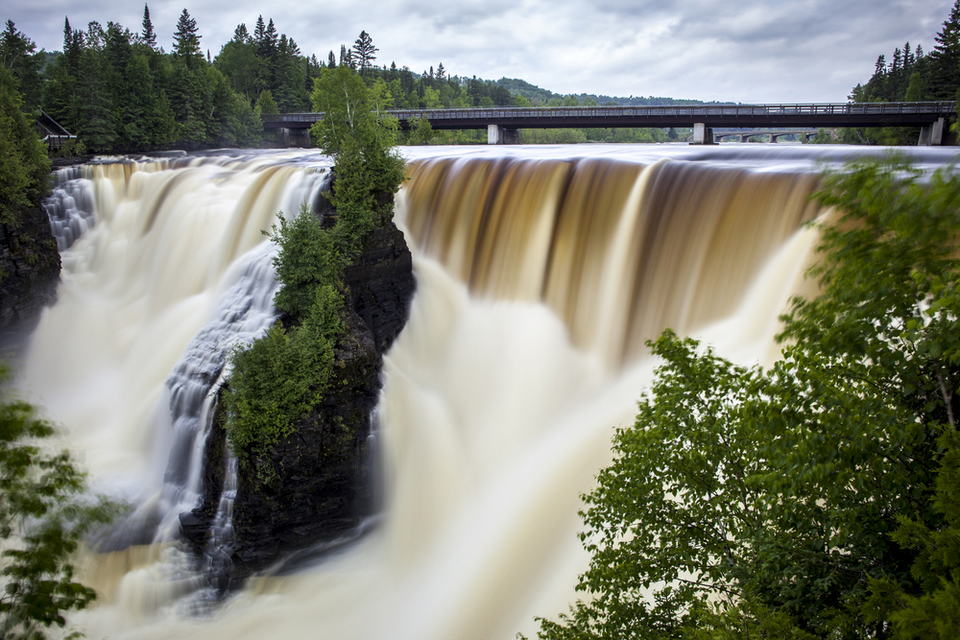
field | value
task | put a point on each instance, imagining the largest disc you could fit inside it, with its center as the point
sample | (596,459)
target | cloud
(753,50)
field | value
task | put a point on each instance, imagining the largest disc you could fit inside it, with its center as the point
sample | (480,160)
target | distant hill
(538,96)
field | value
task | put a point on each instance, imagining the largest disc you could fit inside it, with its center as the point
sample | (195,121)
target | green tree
(238,61)
(17,53)
(186,39)
(280,380)
(147,34)
(42,520)
(364,53)
(420,131)
(24,167)
(815,499)
(946,56)
(266,104)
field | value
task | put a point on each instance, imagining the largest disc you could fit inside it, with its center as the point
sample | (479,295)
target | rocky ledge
(29,271)
(325,490)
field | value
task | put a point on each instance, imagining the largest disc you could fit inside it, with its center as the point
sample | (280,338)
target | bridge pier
(702,134)
(502,135)
(932,134)
(290,137)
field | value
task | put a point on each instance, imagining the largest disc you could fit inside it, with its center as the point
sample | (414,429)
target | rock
(29,272)
(324,491)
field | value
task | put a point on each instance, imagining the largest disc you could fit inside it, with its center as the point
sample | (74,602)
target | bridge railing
(692,111)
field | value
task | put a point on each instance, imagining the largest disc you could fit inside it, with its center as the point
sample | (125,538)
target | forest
(121,91)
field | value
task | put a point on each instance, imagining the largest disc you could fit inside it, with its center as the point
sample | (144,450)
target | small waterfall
(245,311)
(70,206)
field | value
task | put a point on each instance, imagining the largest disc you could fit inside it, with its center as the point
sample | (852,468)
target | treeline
(910,75)
(120,91)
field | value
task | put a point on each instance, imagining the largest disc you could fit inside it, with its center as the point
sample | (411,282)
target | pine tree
(331,60)
(880,67)
(241,35)
(60,96)
(364,53)
(147,35)
(259,31)
(95,37)
(17,55)
(238,61)
(270,37)
(186,40)
(946,57)
(346,58)
(441,72)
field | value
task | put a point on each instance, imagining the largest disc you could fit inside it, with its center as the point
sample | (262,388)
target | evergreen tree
(17,53)
(241,35)
(94,36)
(259,31)
(97,118)
(331,60)
(186,39)
(60,96)
(946,57)
(147,35)
(238,61)
(346,58)
(364,53)
(266,104)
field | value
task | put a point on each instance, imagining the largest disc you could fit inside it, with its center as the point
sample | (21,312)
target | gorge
(540,273)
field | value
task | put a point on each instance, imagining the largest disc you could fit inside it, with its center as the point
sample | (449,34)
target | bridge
(502,123)
(773,135)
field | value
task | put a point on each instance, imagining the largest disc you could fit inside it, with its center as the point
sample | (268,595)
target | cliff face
(29,270)
(324,490)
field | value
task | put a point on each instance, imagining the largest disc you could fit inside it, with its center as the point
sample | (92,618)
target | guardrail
(944,108)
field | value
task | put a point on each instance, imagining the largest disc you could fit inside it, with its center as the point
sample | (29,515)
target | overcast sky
(741,50)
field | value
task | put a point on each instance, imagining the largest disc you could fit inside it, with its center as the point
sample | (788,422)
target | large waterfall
(540,273)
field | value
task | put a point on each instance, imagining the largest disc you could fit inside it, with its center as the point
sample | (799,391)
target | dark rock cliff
(29,271)
(324,491)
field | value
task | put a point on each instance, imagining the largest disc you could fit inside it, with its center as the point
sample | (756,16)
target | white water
(493,422)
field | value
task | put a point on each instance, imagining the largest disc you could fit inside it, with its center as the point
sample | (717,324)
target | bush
(43,517)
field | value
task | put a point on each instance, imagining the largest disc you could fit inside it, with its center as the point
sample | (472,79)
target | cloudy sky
(746,50)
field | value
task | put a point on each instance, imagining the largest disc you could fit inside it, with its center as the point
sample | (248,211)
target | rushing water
(540,273)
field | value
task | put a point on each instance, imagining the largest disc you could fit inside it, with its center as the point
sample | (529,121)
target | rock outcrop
(325,489)
(29,271)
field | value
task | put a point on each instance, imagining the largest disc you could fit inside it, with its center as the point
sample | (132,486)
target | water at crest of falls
(540,271)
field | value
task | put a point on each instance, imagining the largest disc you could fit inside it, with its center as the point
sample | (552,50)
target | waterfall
(540,273)
(166,269)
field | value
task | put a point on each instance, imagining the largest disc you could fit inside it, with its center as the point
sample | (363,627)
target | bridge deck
(870,114)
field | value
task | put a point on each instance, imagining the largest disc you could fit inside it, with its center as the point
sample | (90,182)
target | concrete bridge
(773,135)
(502,123)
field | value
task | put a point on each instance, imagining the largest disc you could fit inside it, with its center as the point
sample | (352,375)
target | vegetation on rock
(284,377)
(29,262)
(816,499)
